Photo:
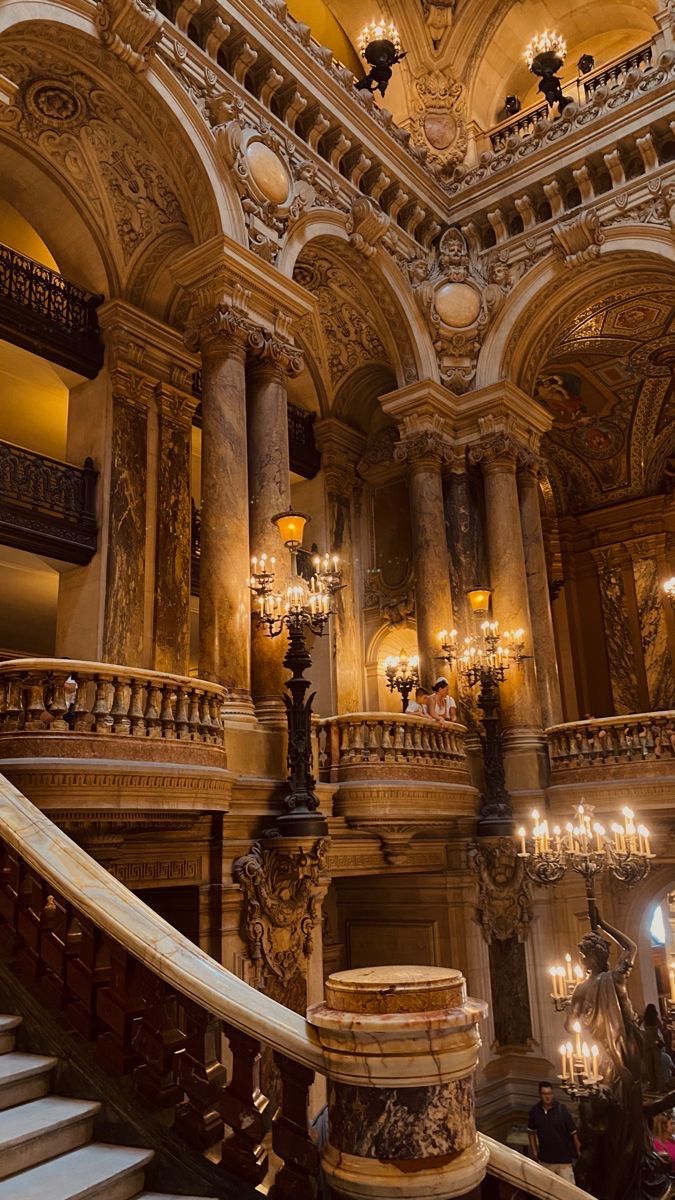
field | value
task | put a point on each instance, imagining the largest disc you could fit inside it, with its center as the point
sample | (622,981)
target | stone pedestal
(543,640)
(401,1045)
(269,487)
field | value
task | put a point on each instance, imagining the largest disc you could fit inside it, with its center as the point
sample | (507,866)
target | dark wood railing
(44,313)
(47,506)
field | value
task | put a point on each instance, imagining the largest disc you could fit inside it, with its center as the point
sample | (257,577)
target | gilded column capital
(278,356)
(218,327)
(341,450)
(497,455)
(424,442)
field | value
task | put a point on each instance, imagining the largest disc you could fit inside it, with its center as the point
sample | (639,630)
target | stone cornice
(466,420)
(137,343)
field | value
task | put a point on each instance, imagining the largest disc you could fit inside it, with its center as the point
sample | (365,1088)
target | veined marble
(618,640)
(402,1123)
(658,666)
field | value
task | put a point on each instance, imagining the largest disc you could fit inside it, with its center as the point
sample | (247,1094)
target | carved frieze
(130,29)
(282,893)
(438,121)
(504,893)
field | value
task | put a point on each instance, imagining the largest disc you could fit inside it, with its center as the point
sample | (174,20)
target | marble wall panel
(618,641)
(347,646)
(393,1124)
(172,574)
(657,660)
(510,997)
(125,581)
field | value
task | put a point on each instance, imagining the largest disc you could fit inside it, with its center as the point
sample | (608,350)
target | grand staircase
(46,1146)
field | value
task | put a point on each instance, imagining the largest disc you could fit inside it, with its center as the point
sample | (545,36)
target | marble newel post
(224,338)
(424,447)
(543,641)
(521,711)
(401,1045)
(341,448)
(269,488)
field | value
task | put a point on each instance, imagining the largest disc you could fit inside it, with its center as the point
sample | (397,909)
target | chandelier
(487,658)
(548,43)
(380,45)
(379,31)
(402,674)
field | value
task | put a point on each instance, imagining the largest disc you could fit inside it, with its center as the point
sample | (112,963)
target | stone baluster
(341,448)
(175,410)
(415,1105)
(543,640)
(35,701)
(499,456)
(269,483)
(424,446)
(224,337)
(57,703)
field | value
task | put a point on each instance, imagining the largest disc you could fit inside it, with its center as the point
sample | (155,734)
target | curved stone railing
(155,1007)
(59,696)
(607,741)
(395,744)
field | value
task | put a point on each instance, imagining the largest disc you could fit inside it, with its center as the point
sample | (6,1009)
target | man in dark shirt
(553,1138)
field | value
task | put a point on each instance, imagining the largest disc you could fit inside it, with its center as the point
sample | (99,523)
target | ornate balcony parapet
(44,313)
(47,506)
(381,745)
(597,759)
(68,701)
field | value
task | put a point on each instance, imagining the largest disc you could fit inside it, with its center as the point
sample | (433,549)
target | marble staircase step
(34,1132)
(23,1077)
(8,1028)
(94,1172)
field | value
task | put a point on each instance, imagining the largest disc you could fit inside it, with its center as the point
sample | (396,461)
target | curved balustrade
(156,1007)
(399,743)
(612,740)
(58,696)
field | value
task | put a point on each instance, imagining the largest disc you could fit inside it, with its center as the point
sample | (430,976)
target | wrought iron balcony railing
(44,313)
(47,506)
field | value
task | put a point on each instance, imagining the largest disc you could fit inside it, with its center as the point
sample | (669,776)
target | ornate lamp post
(305,607)
(379,44)
(402,675)
(545,56)
(485,661)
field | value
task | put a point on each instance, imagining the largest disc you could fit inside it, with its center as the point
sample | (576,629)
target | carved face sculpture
(594,953)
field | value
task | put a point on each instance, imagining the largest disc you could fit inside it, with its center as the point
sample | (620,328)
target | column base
(271,712)
(372,1179)
(238,706)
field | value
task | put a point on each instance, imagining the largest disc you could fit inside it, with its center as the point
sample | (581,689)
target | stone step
(8,1028)
(42,1129)
(23,1077)
(94,1172)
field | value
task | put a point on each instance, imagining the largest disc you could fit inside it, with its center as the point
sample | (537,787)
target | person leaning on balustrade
(440,704)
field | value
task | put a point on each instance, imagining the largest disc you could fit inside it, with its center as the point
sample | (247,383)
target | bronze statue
(617,1161)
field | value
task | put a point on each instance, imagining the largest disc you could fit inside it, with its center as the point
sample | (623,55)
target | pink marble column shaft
(543,641)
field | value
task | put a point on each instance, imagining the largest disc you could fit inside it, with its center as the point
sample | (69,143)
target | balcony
(78,735)
(43,313)
(47,506)
(598,759)
(396,775)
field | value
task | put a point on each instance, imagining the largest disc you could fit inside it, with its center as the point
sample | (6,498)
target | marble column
(401,1047)
(124,618)
(543,640)
(269,493)
(499,457)
(341,448)
(171,651)
(424,448)
(224,338)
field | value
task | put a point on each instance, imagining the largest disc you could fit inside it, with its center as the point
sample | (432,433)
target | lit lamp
(402,675)
(545,56)
(479,599)
(304,606)
(669,589)
(379,44)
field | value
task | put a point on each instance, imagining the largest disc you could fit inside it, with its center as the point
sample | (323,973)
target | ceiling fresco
(608,384)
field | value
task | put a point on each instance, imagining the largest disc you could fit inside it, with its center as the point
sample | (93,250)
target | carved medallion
(268,172)
(51,101)
(440,129)
(458,304)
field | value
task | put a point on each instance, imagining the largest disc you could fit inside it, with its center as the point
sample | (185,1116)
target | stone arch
(637,911)
(387,639)
(108,165)
(404,332)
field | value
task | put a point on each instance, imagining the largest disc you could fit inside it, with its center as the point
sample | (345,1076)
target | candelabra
(485,661)
(402,675)
(545,56)
(379,44)
(305,607)
(564,979)
(585,847)
(580,1067)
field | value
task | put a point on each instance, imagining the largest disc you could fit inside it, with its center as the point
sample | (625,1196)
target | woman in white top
(440,704)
